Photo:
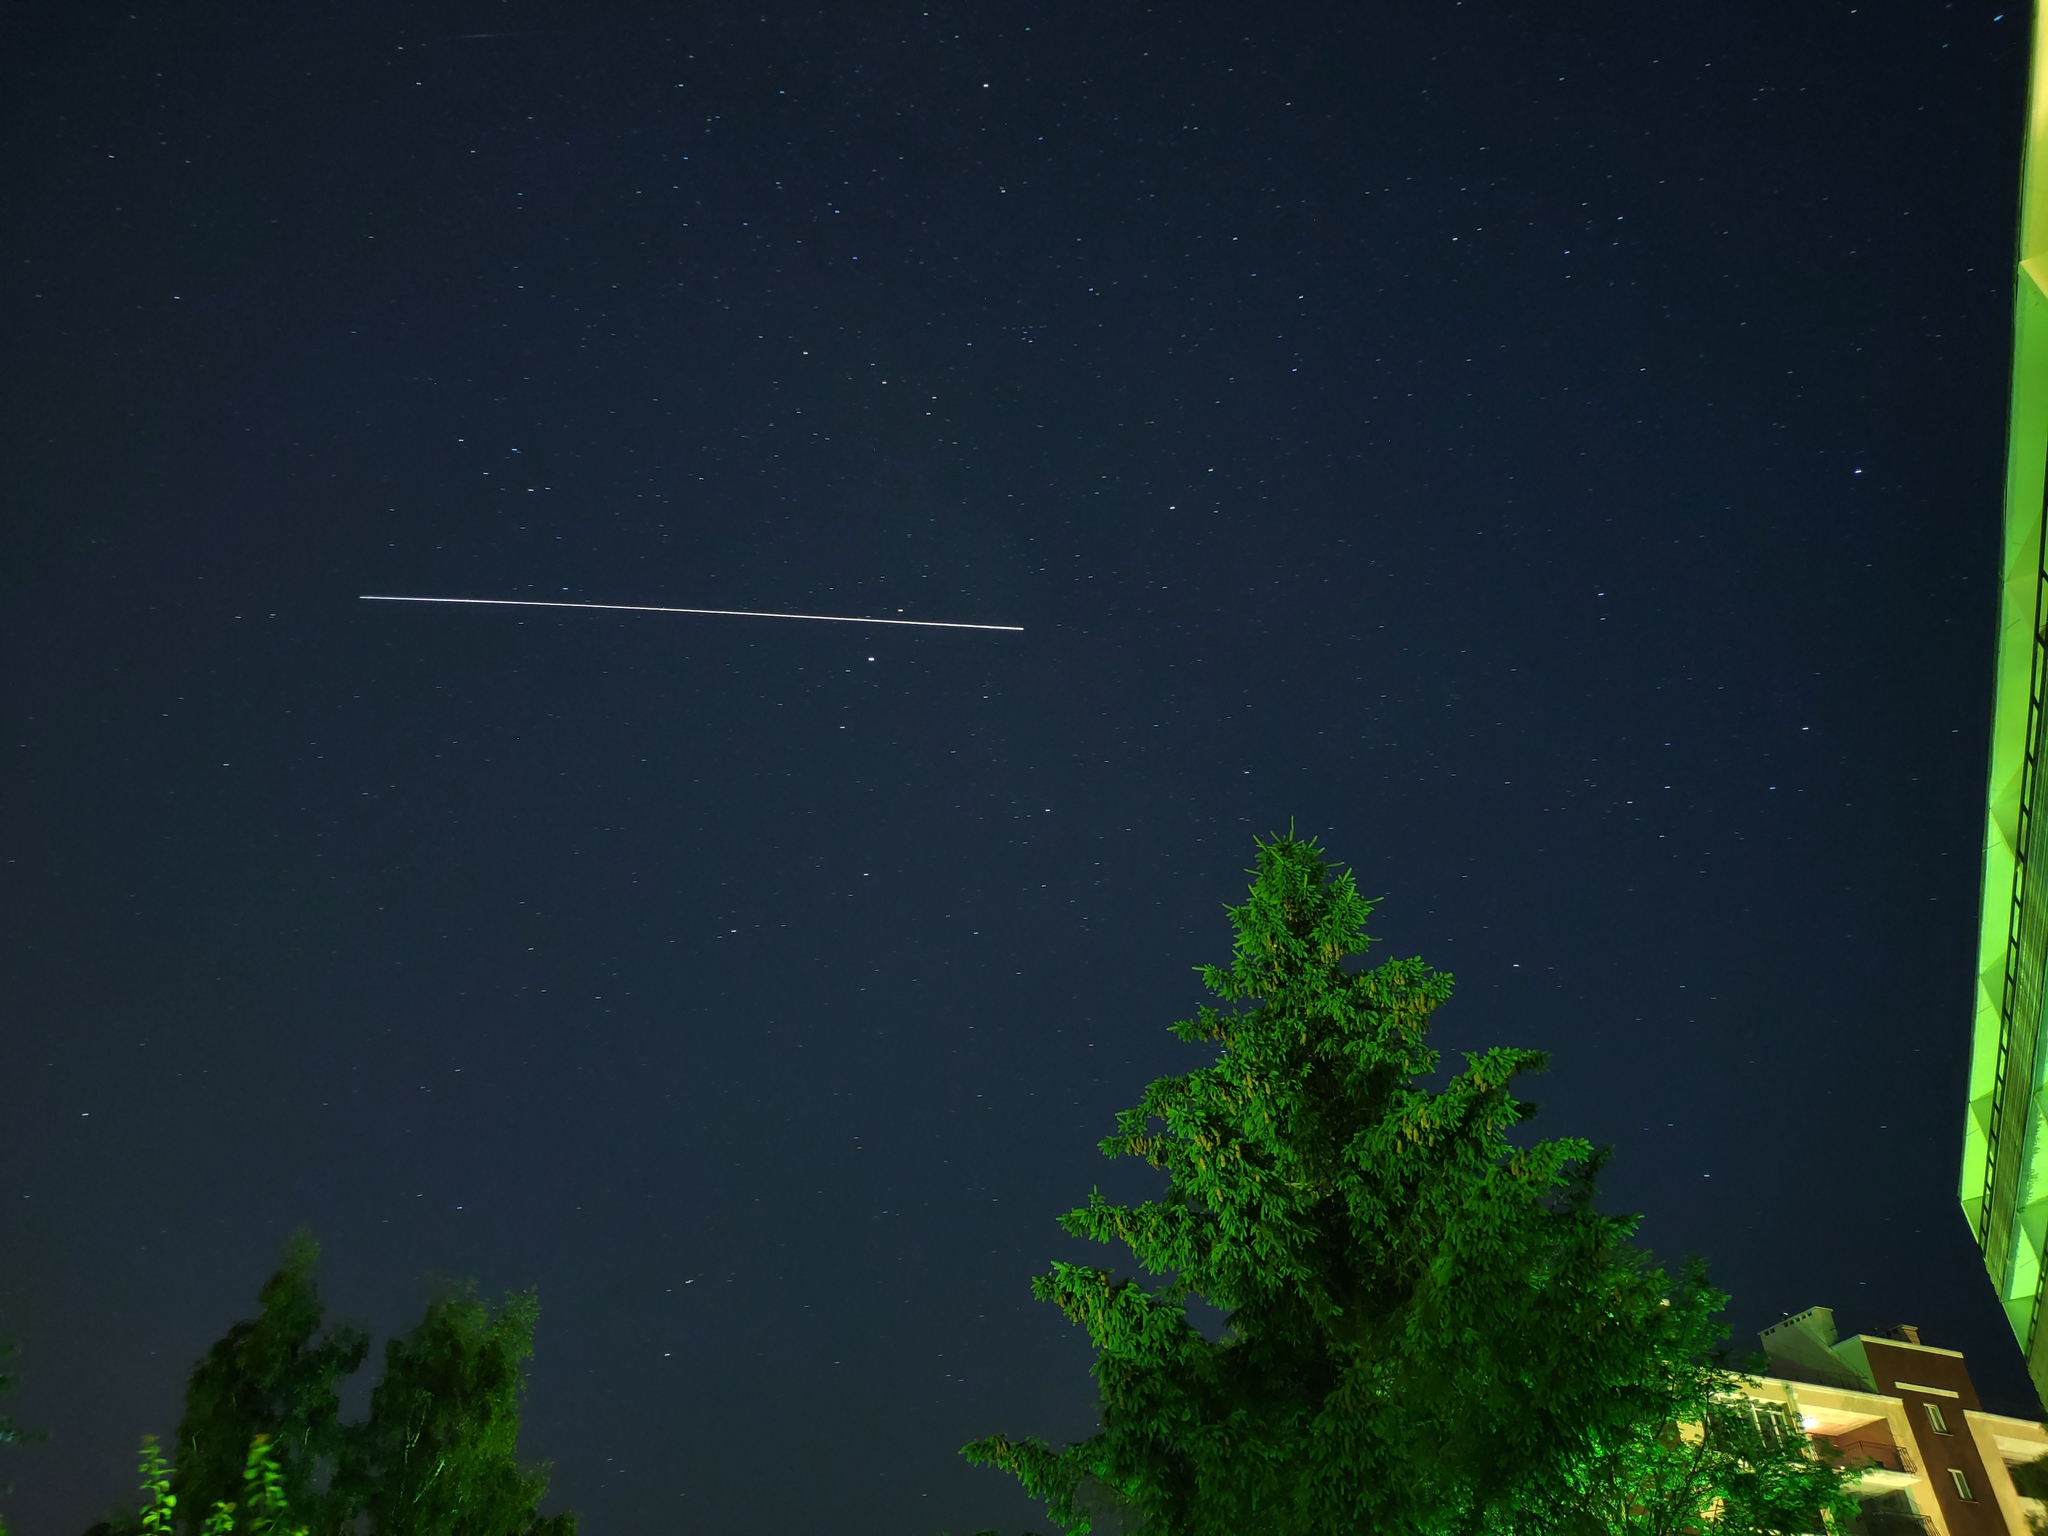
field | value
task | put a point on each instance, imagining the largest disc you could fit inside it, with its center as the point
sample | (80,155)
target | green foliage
(11,1432)
(264,1510)
(2030,1478)
(1746,1464)
(267,1506)
(159,1504)
(437,1457)
(272,1377)
(1430,1326)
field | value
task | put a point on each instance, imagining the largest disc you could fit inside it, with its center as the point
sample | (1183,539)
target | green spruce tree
(438,1455)
(276,1376)
(1431,1328)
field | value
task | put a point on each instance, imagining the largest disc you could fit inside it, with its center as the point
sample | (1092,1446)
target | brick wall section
(1898,1369)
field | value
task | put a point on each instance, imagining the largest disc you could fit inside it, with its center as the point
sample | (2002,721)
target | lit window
(1962,1484)
(1935,1419)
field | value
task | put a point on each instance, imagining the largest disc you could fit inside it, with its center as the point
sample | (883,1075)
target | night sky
(1551,454)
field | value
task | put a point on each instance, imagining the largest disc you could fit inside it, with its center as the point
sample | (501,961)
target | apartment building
(2004,1183)
(1936,1463)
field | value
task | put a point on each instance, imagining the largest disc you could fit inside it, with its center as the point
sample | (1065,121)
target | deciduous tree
(438,1456)
(262,1450)
(274,1375)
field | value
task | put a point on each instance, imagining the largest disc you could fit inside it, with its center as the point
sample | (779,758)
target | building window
(1772,1423)
(1962,1484)
(1935,1420)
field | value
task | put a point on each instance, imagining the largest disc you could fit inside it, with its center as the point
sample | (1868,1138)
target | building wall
(1840,1413)
(2004,1173)
(2004,1442)
(1983,1445)
(1923,1378)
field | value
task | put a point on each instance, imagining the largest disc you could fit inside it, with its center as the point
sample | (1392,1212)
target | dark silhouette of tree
(11,1432)
(275,1375)
(438,1454)
(262,1450)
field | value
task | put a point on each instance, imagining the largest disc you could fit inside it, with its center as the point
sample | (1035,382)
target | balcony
(1875,1455)
(1878,1467)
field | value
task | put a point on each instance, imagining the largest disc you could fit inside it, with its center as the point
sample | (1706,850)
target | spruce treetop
(1429,1325)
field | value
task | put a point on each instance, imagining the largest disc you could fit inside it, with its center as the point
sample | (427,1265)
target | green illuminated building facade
(2005,1153)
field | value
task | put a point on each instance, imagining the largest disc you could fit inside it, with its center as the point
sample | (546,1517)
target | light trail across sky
(722,613)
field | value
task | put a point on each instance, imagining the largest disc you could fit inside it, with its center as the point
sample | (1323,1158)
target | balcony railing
(1881,1453)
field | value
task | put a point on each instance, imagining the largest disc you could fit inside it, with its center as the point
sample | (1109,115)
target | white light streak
(722,613)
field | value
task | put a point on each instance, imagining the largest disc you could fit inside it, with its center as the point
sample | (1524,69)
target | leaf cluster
(263,1511)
